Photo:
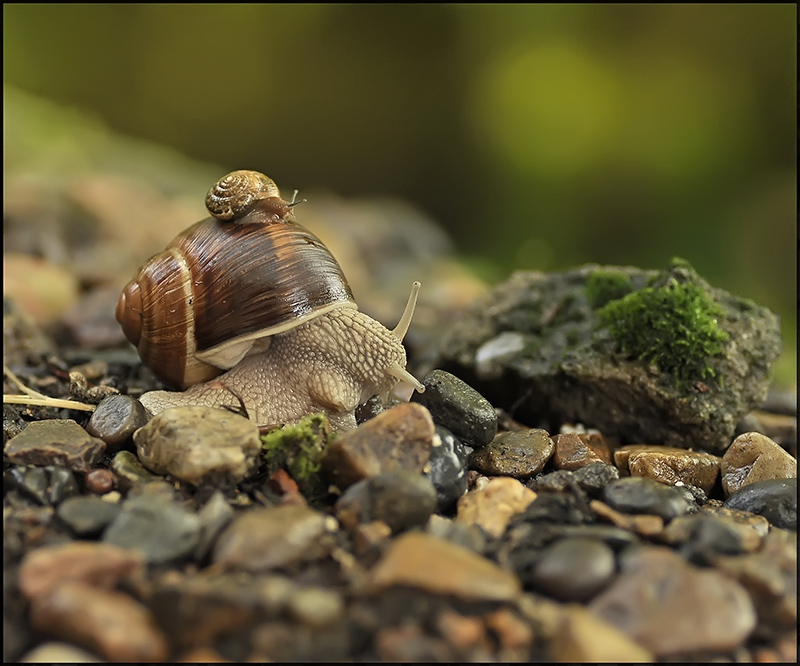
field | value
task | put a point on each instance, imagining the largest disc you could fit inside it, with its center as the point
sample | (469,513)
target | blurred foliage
(541,136)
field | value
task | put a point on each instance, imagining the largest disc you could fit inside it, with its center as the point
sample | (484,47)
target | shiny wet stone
(776,500)
(574,569)
(641,495)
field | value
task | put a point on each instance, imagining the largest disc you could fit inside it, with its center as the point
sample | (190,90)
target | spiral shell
(234,195)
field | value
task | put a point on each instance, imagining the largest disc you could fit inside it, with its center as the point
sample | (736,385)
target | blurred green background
(539,136)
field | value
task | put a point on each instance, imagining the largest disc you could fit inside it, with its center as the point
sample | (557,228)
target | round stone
(776,500)
(115,420)
(574,569)
(641,495)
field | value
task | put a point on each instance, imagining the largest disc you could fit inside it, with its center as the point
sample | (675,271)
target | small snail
(249,310)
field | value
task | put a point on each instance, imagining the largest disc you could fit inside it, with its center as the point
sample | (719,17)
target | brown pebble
(100,481)
(641,523)
(110,623)
(755,457)
(60,442)
(493,506)
(512,631)
(518,454)
(367,535)
(461,631)
(572,452)
(669,465)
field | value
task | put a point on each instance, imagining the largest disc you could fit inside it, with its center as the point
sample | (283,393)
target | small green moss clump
(674,325)
(603,286)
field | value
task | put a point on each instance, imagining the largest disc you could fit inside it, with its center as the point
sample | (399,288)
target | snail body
(249,310)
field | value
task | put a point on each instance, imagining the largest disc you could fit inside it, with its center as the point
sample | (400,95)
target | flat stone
(519,454)
(458,407)
(669,465)
(115,419)
(60,442)
(574,569)
(673,608)
(441,567)
(492,507)
(263,539)
(641,495)
(640,523)
(198,444)
(572,452)
(400,438)
(755,457)
(110,623)
(97,564)
(86,515)
(776,500)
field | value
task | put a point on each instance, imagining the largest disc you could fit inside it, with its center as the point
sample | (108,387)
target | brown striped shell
(197,308)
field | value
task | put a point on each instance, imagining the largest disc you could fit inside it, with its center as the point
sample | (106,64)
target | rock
(492,507)
(715,531)
(461,534)
(755,457)
(573,452)
(640,495)
(45,485)
(462,632)
(644,524)
(776,500)
(109,623)
(115,420)
(574,569)
(59,442)
(55,652)
(316,607)
(560,507)
(669,465)
(448,469)
(568,367)
(214,516)
(100,481)
(263,539)
(595,476)
(518,454)
(130,472)
(96,564)
(513,633)
(155,526)
(198,444)
(400,438)
(582,637)
(458,407)
(673,608)
(86,515)
(400,499)
(441,567)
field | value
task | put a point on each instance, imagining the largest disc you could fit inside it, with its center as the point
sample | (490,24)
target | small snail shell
(249,282)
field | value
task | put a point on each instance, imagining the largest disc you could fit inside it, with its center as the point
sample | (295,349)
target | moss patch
(607,285)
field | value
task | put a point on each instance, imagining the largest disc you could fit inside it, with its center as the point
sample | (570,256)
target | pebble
(641,495)
(448,469)
(214,516)
(669,465)
(512,631)
(157,527)
(592,478)
(86,515)
(109,623)
(461,534)
(45,485)
(59,442)
(574,569)
(316,607)
(130,473)
(743,532)
(640,523)
(100,481)
(367,535)
(55,652)
(492,507)
(264,539)
(115,420)
(441,567)
(755,457)
(780,428)
(776,500)
(400,438)
(399,498)
(571,508)
(198,444)
(573,451)
(97,564)
(673,608)
(458,407)
(519,454)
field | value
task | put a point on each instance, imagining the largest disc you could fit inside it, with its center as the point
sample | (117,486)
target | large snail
(249,310)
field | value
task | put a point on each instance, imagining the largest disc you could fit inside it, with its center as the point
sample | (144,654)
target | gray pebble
(775,499)
(115,420)
(448,469)
(574,569)
(641,495)
(45,485)
(154,525)
(593,478)
(519,454)
(214,516)
(458,407)
(87,515)
(59,442)
(710,537)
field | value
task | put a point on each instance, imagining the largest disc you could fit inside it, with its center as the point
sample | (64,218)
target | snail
(248,310)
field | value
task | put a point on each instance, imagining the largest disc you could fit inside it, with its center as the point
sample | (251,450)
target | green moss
(672,323)
(603,286)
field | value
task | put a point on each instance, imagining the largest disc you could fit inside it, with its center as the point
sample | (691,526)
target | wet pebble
(574,569)
(400,499)
(669,465)
(755,457)
(156,526)
(109,623)
(264,539)
(673,608)
(115,420)
(130,473)
(592,478)
(458,407)
(448,469)
(45,485)
(86,515)
(400,438)
(776,500)
(572,451)
(519,454)
(198,444)
(492,507)
(59,442)
(100,481)
(642,495)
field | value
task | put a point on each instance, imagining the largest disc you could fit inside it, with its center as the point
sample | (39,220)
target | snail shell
(197,308)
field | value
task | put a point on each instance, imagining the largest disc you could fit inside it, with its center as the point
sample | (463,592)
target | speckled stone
(776,500)
(755,457)
(448,469)
(574,569)
(60,442)
(115,420)
(640,495)
(519,454)
(669,465)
